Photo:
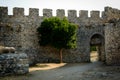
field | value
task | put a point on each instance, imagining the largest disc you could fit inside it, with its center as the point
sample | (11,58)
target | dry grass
(46,66)
(1,47)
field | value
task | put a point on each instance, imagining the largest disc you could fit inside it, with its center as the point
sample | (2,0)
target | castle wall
(110,13)
(19,31)
(84,37)
(13,63)
(112,45)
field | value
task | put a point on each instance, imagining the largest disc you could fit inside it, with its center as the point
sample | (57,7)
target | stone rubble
(13,64)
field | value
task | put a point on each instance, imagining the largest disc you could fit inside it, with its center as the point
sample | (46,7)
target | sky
(60,4)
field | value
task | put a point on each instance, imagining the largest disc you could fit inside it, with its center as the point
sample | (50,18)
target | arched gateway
(97,46)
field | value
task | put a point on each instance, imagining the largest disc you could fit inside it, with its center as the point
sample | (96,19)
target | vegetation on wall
(58,33)
(93,48)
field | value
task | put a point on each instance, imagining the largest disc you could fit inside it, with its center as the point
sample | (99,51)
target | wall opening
(93,53)
(97,48)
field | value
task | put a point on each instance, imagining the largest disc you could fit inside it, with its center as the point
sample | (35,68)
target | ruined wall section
(112,45)
(110,13)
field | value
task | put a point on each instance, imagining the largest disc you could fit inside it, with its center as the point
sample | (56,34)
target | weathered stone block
(47,13)
(3,12)
(33,12)
(18,12)
(60,13)
(13,64)
(83,14)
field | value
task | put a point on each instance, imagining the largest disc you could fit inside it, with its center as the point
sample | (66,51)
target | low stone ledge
(12,63)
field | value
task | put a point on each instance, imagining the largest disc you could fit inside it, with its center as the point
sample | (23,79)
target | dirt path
(73,71)
(64,72)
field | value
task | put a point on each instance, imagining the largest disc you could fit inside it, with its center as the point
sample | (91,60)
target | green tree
(58,33)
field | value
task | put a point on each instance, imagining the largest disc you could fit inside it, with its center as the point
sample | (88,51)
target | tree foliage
(58,33)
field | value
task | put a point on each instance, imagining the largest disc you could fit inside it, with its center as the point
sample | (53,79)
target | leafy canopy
(58,33)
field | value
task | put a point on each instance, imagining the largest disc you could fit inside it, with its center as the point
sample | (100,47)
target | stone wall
(13,63)
(19,31)
(112,45)
(110,13)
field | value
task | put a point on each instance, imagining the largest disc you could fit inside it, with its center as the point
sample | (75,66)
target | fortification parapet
(18,12)
(47,13)
(3,12)
(60,13)
(95,14)
(95,17)
(72,15)
(83,14)
(33,12)
(110,13)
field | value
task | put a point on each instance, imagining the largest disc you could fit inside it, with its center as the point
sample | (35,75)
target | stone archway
(97,52)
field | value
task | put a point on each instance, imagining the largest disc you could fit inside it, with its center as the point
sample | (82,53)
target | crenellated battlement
(33,12)
(83,14)
(17,12)
(47,12)
(60,13)
(3,11)
(72,13)
(110,13)
(95,14)
(19,31)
